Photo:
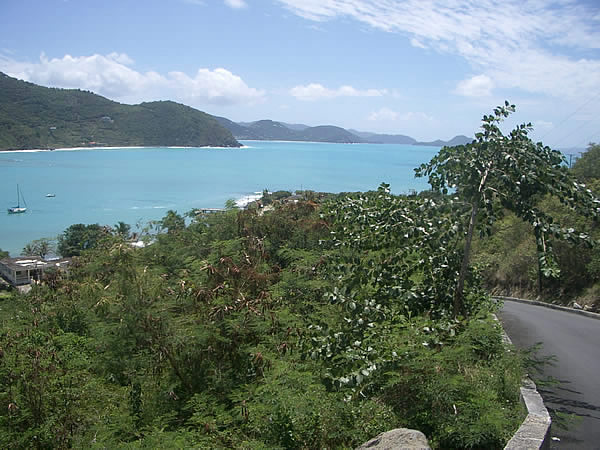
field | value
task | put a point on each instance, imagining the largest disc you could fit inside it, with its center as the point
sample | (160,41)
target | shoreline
(131,147)
(300,142)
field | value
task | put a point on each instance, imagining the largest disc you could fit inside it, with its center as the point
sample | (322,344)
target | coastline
(336,143)
(244,201)
(300,142)
(104,186)
(131,147)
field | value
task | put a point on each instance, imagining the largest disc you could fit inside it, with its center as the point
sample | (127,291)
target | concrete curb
(534,432)
(550,305)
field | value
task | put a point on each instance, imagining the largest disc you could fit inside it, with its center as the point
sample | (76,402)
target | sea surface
(137,185)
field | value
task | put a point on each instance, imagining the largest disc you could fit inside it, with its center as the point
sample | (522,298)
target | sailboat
(18,209)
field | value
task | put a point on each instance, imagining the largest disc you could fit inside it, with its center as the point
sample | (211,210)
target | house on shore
(28,269)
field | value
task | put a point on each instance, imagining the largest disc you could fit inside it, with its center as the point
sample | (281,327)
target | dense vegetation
(509,259)
(243,329)
(33,116)
(313,322)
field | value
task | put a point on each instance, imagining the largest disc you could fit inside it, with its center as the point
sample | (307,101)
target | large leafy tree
(172,222)
(587,168)
(80,237)
(122,229)
(497,172)
(39,247)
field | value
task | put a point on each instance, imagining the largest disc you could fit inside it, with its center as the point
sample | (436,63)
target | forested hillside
(271,130)
(313,322)
(510,259)
(34,116)
(252,330)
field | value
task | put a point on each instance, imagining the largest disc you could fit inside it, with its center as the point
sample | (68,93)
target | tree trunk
(459,306)
(540,246)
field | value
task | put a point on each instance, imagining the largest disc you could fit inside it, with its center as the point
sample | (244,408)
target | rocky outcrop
(398,439)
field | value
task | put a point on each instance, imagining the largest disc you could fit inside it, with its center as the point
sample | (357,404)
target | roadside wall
(534,432)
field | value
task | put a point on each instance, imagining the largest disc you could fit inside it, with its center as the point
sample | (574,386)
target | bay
(137,185)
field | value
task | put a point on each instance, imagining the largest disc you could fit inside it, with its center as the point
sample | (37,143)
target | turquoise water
(136,185)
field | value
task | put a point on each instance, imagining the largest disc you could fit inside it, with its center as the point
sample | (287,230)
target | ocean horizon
(137,185)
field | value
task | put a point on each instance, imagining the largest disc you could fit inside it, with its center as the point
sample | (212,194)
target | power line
(589,139)
(589,100)
(571,133)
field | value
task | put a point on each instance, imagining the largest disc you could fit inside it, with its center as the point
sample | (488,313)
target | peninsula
(33,116)
(38,117)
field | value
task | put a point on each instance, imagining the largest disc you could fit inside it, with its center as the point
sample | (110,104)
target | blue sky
(426,68)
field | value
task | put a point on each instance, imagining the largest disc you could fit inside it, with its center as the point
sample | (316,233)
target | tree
(79,237)
(39,247)
(231,204)
(173,222)
(3,254)
(497,172)
(587,167)
(122,229)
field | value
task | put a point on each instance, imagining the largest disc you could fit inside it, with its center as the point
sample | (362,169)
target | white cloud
(524,44)
(315,91)
(236,4)
(383,115)
(477,86)
(416,43)
(112,76)
(418,116)
(542,125)
(218,86)
(389,115)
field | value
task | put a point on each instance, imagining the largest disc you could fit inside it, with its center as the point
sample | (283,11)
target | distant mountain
(33,116)
(281,131)
(329,133)
(271,130)
(296,126)
(238,130)
(278,131)
(384,138)
(456,140)
(291,126)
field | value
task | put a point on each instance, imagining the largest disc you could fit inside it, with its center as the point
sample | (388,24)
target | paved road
(575,341)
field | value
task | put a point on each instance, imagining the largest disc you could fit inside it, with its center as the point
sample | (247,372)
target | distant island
(270,130)
(37,117)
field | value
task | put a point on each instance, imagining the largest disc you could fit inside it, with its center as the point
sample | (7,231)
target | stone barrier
(550,305)
(534,432)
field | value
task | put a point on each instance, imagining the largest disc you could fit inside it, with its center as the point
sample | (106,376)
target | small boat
(18,209)
(50,195)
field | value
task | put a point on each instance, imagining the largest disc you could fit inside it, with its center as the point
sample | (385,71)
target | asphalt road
(575,342)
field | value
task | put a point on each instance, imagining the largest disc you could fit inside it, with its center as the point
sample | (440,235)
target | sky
(425,68)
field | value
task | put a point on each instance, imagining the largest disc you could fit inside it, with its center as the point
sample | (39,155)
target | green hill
(376,138)
(33,116)
(456,140)
(271,130)
(329,133)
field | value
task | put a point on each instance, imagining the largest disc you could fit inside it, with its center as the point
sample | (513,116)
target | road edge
(534,432)
(550,305)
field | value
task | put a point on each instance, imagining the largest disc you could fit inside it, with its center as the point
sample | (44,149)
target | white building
(26,269)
